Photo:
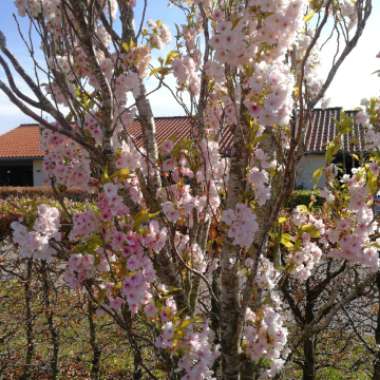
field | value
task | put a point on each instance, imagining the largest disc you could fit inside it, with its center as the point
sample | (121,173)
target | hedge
(41,191)
(304,197)
(298,196)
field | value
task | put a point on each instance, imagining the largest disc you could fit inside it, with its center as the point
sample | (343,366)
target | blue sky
(10,116)
(353,82)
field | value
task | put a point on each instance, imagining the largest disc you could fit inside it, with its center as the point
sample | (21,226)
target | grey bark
(309,371)
(28,295)
(54,334)
(231,318)
(96,351)
(376,373)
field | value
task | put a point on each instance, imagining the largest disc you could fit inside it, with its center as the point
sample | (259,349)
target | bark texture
(376,372)
(230,308)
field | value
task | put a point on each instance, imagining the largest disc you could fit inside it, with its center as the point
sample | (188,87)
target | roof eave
(21,158)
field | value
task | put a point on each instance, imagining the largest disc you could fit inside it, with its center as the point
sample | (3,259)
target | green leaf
(184,324)
(143,217)
(311,230)
(121,173)
(372,182)
(160,70)
(331,151)
(355,157)
(140,218)
(317,176)
(287,240)
(309,16)
(172,55)
(128,45)
(105,175)
(303,209)
(90,246)
(345,124)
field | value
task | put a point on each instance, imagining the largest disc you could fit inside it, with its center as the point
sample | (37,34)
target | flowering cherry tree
(181,239)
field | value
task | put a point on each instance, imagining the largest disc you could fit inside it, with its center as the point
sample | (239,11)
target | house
(319,132)
(21,157)
(21,153)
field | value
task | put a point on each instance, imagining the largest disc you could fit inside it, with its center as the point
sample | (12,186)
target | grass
(75,350)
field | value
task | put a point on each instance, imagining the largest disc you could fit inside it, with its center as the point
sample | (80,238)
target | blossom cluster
(258,176)
(186,63)
(214,168)
(352,236)
(122,249)
(242,225)
(155,238)
(305,254)
(266,337)
(304,260)
(159,35)
(349,12)
(312,77)
(184,69)
(79,268)
(179,202)
(81,79)
(270,85)
(130,157)
(66,161)
(237,43)
(36,243)
(267,275)
(190,252)
(198,355)
(372,138)
(110,203)
(269,99)
(369,119)
(85,224)
(136,285)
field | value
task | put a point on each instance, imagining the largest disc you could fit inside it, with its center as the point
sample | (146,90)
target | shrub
(41,191)
(305,197)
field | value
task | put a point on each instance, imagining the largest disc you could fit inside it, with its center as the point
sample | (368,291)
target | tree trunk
(376,370)
(49,314)
(309,357)
(309,372)
(96,351)
(28,294)
(231,317)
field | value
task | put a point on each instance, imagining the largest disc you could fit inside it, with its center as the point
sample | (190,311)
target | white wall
(38,173)
(305,169)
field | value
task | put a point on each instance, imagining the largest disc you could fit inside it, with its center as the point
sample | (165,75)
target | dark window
(16,173)
(345,162)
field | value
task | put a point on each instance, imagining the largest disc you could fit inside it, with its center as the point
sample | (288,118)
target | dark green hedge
(304,197)
(41,191)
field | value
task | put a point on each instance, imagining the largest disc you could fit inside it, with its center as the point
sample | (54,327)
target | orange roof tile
(322,129)
(171,127)
(21,142)
(25,140)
